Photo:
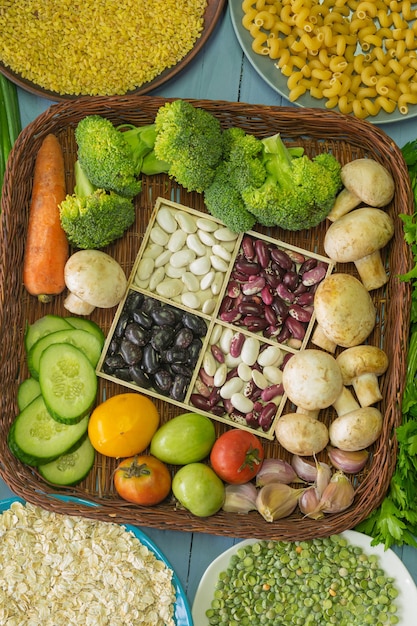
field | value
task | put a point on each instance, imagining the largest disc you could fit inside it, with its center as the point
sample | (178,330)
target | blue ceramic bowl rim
(182,610)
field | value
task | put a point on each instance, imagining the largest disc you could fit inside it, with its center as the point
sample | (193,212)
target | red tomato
(237,456)
(143,480)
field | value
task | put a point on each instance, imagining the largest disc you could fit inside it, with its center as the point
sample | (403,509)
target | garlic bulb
(277,500)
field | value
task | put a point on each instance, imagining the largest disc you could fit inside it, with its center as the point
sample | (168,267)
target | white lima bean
(188,249)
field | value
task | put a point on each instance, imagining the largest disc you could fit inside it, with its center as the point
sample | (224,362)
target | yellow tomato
(123,425)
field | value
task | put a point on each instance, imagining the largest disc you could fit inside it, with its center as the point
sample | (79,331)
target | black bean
(176,355)
(193,351)
(137,334)
(183,338)
(114,361)
(131,352)
(150,359)
(179,387)
(195,323)
(162,338)
(139,377)
(134,301)
(143,319)
(163,316)
(121,324)
(123,373)
(163,380)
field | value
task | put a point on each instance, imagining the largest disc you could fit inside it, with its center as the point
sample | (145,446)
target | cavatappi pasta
(360,56)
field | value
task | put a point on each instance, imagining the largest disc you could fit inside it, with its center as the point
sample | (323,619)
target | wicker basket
(317,130)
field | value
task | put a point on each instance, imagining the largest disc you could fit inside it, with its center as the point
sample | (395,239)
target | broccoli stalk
(92,217)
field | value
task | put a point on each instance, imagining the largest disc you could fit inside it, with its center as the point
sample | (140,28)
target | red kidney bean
(266,416)
(285,294)
(295,328)
(272,331)
(272,392)
(250,268)
(282,258)
(266,295)
(233,289)
(301,288)
(253,286)
(248,248)
(254,323)
(300,313)
(270,315)
(200,402)
(231,373)
(291,280)
(305,299)
(284,334)
(217,353)
(236,344)
(297,257)
(250,308)
(230,316)
(262,253)
(280,308)
(214,397)
(207,380)
(307,265)
(314,276)
(227,304)
(202,388)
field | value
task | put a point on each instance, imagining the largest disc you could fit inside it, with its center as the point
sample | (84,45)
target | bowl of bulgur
(69,49)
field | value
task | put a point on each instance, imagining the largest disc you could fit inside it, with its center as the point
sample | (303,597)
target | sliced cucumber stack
(70,468)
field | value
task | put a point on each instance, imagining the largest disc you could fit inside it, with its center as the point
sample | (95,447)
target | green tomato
(187,438)
(198,489)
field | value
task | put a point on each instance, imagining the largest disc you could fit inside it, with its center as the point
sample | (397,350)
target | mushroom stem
(345,202)
(345,402)
(321,340)
(75,305)
(371,271)
(367,389)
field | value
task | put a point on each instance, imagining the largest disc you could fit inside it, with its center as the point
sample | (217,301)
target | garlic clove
(338,495)
(306,470)
(324,474)
(276,471)
(350,462)
(240,498)
(275,501)
(308,503)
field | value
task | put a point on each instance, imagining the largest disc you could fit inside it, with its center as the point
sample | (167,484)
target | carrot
(46,250)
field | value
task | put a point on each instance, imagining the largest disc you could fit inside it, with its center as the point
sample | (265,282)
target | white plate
(406,600)
(265,67)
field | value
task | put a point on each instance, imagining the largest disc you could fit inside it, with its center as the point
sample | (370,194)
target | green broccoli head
(243,156)
(189,139)
(106,157)
(91,217)
(225,202)
(298,192)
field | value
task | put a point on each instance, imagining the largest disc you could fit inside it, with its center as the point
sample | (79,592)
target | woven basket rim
(313,127)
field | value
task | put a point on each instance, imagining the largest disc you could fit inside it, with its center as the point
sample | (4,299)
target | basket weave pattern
(317,130)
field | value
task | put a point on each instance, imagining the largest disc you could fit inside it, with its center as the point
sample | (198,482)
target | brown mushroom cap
(344,310)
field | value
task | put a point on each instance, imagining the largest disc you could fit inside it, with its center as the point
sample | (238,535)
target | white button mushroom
(361,366)
(301,434)
(345,312)
(358,237)
(312,380)
(365,181)
(94,279)
(356,430)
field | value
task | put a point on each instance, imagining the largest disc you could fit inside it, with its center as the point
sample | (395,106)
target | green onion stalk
(10,122)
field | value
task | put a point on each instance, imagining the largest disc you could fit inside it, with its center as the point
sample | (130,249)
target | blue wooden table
(219,72)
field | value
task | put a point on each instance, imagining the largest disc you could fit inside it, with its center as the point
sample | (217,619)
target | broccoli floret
(111,158)
(189,139)
(224,201)
(92,217)
(242,154)
(298,192)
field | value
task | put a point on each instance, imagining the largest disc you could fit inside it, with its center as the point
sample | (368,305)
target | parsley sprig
(395,520)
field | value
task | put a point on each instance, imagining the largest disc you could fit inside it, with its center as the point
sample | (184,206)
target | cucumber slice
(68,382)
(43,326)
(89,325)
(28,390)
(85,341)
(70,468)
(35,437)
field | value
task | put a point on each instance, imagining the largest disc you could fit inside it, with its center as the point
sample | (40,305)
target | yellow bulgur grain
(96,47)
